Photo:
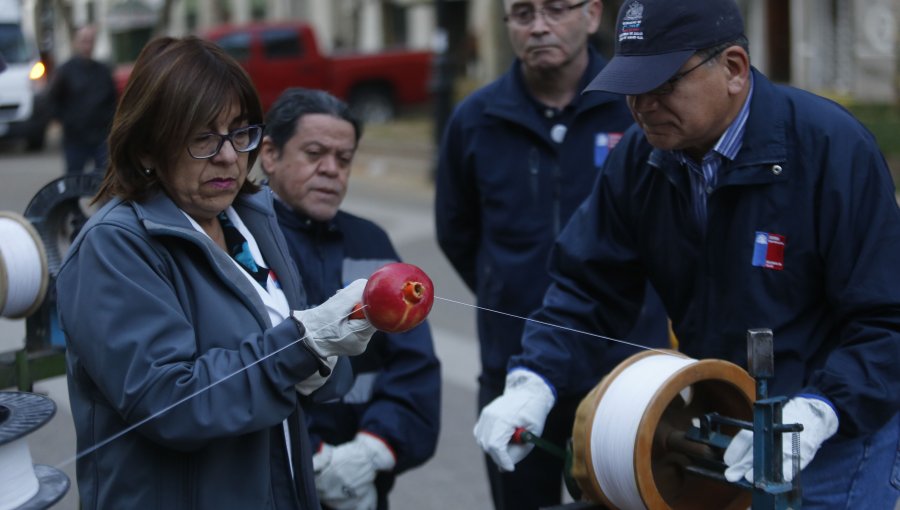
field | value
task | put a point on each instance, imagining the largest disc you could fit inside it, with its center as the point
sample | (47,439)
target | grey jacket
(154,314)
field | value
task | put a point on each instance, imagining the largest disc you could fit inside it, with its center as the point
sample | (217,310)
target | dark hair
(294,103)
(177,87)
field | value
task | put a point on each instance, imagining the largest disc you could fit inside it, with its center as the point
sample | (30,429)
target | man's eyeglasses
(207,145)
(668,86)
(553,12)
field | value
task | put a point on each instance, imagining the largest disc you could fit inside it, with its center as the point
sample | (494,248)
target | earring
(148,172)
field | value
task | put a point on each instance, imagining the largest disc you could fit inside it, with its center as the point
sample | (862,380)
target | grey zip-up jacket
(164,334)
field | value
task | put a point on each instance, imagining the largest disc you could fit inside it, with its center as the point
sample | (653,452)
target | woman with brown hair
(183,312)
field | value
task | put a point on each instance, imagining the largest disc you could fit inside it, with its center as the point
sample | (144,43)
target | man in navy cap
(747,205)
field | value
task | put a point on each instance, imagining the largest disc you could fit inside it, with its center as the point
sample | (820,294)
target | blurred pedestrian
(388,422)
(748,205)
(82,96)
(518,157)
(189,341)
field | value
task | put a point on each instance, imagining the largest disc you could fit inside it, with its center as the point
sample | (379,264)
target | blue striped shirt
(703,174)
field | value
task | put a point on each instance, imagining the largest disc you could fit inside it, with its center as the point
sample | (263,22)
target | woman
(176,300)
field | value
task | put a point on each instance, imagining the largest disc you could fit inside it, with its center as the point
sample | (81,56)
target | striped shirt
(703,174)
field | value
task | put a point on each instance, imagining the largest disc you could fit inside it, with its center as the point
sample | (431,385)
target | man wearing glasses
(518,157)
(747,205)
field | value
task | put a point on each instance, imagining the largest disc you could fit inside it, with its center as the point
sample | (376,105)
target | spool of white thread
(24,274)
(617,421)
(627,438)
(18,483)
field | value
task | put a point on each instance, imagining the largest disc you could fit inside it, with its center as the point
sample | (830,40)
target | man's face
(545,44)
(693,115)
(310,174)
(83,43)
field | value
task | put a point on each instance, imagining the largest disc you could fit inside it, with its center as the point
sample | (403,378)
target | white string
(18,482)
(20,259)
(112,438)
(616,422)
(168,408)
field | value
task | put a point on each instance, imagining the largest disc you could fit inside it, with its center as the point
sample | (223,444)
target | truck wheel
(372,105)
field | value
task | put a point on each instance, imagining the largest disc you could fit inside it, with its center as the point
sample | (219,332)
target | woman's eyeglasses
(207,145)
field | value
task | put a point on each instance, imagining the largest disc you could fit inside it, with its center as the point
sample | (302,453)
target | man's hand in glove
(525,402)
(345,474)
(329,329)
(819,423)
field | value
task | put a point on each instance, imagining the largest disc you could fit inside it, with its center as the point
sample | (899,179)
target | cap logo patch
(631,23)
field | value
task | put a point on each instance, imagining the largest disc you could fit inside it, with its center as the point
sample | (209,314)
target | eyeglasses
(207,145)
(668,86)
(524,15)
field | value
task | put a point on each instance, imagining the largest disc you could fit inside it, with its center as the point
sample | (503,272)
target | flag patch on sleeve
(768,250)
(603,143)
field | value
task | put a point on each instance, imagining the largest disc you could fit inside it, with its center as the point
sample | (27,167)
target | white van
(24,112)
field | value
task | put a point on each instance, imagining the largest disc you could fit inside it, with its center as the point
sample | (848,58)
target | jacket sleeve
(860,247)
(598,286)
(457,204)
(131,338)
(406,400)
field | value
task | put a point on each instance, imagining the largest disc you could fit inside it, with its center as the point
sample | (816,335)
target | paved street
(391,185)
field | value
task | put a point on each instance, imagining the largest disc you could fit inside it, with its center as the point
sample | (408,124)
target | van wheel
(372,105)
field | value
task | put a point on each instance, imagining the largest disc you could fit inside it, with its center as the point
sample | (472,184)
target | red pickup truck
(286,54)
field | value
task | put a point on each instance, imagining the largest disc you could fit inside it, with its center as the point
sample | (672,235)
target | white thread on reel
(616,423)
(18,483)
(23,267)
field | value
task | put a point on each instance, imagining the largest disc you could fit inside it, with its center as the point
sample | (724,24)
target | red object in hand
(397,298)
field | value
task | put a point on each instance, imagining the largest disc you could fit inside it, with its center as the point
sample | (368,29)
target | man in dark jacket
(389,420)
(747,205)
(83,98)
(518,157)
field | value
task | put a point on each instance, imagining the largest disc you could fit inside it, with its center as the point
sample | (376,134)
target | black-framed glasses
(207,145)
(668,86)
(553,12)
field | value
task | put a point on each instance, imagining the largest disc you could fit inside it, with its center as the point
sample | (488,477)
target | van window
(281,43)
(12,44)
(237,45)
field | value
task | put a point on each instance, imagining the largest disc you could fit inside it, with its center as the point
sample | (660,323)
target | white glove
(315,381)
(526,402)
(819,423)
(345,474)
(330,330)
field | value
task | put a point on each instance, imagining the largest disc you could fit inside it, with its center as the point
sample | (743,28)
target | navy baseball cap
(654,38)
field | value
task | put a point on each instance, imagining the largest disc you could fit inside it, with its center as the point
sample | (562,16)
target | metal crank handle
(522,436)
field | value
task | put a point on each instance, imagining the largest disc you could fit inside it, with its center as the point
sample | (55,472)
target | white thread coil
(23,267)
(18,483)
(616,423)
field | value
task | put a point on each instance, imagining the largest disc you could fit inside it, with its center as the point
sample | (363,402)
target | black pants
(537,479)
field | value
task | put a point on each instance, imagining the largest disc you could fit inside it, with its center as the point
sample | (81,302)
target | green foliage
(883,120)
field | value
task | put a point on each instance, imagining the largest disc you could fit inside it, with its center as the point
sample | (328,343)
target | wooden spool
(40,290)
(659,457)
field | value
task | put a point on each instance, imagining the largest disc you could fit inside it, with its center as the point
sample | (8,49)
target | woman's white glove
(526,402)
(819,423)
(345,474)
(329,329)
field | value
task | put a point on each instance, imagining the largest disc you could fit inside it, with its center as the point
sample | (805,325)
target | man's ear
(268,155)
(737,65)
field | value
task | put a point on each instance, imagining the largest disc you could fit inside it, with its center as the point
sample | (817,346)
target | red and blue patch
(603,143)
(768,250)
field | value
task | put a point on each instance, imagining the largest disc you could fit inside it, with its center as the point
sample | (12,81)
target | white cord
(22,268)
(616,422)
(18,482)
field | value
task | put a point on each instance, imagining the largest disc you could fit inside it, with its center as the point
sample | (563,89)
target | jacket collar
(512,100)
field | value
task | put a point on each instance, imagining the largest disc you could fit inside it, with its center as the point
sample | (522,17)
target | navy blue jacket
(505,189)
(397,391)
(808,176)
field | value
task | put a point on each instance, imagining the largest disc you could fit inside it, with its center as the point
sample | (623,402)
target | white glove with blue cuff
(345,474)
(819,423)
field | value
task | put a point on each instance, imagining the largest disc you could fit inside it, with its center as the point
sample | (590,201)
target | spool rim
(703,370)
